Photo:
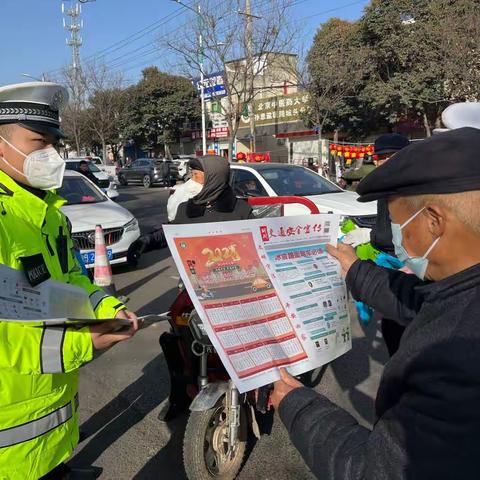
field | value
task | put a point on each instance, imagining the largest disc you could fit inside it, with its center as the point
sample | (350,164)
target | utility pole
(202,81)
(250,70)
(75,41)
(198,12)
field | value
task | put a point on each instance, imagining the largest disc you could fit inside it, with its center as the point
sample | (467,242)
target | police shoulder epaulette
(5,190)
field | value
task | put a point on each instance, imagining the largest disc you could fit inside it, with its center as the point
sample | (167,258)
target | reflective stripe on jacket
(38,366)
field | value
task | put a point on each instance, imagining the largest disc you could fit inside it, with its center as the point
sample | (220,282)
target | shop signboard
(278,110)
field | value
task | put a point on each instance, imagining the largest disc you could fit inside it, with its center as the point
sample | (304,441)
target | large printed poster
(267,292)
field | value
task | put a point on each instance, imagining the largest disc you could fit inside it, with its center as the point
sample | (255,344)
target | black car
(149,172)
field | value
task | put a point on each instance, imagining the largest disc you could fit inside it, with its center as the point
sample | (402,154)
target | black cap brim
(42,128)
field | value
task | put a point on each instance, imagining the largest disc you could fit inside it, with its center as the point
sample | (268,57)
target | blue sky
(33,38)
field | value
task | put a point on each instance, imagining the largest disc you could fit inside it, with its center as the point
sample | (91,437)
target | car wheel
(147,181)
(122,180)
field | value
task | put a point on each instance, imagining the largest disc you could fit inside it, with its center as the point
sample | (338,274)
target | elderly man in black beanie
(428,415)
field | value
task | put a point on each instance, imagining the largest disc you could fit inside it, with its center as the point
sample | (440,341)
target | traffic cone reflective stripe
(102,268)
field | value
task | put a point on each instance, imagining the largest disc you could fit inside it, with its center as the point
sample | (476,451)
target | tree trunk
(168,154)
(231,138)
(230,148)
(77,144)
(104,151)
(426,124)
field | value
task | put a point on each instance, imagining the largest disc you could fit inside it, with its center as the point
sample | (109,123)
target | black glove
(157,239)
(136,250)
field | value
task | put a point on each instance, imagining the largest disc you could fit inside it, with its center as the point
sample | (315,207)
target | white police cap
(33,105)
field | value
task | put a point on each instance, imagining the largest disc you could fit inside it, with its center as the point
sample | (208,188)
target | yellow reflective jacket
(39,366)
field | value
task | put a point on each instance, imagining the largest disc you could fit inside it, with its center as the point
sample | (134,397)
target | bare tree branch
(226,47)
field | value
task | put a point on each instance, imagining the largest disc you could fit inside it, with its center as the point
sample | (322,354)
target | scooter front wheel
(207,452)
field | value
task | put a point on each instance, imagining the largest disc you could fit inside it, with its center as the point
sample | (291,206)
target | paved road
(123,391)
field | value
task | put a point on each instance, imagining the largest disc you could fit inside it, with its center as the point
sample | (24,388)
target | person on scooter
(216,202)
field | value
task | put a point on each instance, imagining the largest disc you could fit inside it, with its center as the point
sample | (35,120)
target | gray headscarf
(217,176)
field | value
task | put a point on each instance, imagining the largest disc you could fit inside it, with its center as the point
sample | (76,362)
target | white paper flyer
(267,292)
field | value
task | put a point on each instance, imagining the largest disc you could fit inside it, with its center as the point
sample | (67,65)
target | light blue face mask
(418,265)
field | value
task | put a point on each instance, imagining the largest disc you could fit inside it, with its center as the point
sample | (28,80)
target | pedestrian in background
(379,238)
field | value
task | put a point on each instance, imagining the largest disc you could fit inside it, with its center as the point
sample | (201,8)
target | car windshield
(297,181)
(93,168)
(75,165)
(78,190)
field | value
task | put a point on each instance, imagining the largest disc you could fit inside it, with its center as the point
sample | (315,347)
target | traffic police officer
(39,366)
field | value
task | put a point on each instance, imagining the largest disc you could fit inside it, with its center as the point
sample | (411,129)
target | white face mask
(418,265)
(43,169)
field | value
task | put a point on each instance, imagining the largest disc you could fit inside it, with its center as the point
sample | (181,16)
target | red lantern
(241,156)
(340,148)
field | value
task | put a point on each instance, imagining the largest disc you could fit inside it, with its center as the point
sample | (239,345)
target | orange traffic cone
(102,276)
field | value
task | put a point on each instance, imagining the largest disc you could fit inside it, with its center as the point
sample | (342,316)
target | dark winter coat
(227,207)
(90,176)
(428,401)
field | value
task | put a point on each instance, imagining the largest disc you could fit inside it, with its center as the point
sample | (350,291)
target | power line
(132,55)
(130,39)
(139,34)
(180,27)
(150,48)
(119,64)
(325,12)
